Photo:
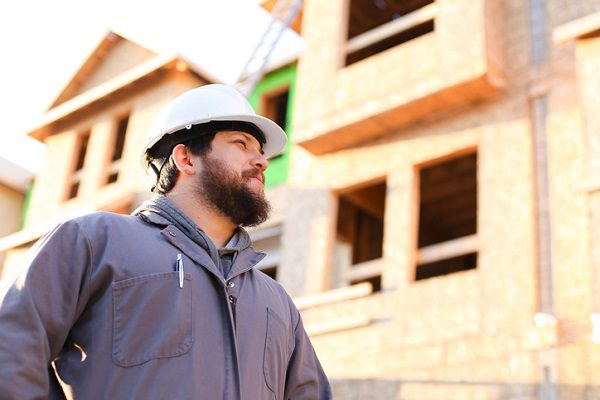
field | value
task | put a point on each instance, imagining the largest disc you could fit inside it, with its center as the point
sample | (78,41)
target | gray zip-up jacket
(99,313)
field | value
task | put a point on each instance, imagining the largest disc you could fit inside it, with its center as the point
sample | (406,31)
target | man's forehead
(246,135)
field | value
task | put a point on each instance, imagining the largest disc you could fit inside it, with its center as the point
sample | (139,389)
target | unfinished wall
(474,334)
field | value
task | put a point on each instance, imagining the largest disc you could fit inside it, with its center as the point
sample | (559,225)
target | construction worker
(165,303)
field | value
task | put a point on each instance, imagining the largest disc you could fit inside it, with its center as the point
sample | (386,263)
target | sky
(44,42)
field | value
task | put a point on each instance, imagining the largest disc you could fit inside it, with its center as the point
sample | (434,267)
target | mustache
(254,173)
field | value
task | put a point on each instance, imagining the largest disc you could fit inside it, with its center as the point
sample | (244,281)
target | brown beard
(225,191)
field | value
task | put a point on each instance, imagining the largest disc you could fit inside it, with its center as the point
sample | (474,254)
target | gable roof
(84,78)
(123,56)
(94,80)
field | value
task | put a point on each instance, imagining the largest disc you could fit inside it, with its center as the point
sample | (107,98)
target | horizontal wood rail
(404,23)
(364,270)
(449,249)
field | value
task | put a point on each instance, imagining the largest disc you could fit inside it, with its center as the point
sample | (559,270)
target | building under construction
(437,213)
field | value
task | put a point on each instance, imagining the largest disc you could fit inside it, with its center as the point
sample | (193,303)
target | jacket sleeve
(305,378)
(38,308)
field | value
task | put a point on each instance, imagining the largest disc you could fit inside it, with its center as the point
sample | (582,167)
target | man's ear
(182,157)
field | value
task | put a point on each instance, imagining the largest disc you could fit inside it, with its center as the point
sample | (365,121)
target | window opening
(119,144)
(378,25)
(81,151)
(447,238)
(447,266)
(120,138)
(273,99)
(359,241)
(275,106)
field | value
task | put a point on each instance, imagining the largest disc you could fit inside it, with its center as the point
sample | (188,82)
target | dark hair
(198,146)
(197,138)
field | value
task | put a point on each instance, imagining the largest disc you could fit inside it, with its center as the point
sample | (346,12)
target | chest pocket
(152,318)
(278,350)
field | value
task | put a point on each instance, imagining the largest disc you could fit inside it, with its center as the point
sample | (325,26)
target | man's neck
(216,226)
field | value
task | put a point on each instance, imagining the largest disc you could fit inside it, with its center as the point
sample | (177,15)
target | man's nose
(260,161)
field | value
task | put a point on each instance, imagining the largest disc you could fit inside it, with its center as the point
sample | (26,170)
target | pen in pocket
(180,270)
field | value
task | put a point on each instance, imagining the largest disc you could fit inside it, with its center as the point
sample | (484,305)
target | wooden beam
(575,29)
(450,249)
(364,270)
(392,28)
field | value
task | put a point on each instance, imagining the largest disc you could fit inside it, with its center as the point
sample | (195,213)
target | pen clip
(180,270)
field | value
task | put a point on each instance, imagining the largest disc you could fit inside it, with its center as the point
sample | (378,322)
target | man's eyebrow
(248,138)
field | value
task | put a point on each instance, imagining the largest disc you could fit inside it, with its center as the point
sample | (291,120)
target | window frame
(403,24)
(448,249)
(365,271)
(80,154)
(114,164)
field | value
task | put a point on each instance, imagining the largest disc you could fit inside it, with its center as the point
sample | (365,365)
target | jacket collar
(155,219)
(245,260)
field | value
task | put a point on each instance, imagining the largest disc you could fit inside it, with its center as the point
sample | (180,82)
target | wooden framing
(582,27)
(389,29)
(447,203)
(449,249)
(365,270)
(364,202)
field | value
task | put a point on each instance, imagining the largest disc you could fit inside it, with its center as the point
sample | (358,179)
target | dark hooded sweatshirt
(100,312)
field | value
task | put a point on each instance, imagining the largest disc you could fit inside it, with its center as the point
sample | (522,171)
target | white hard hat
(206,104)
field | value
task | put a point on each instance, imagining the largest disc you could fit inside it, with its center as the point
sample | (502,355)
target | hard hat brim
(212,103)
(275,137)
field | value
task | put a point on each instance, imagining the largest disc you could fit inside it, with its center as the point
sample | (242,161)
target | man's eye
(241,142)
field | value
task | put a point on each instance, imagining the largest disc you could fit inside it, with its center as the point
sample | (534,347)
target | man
(165,303)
